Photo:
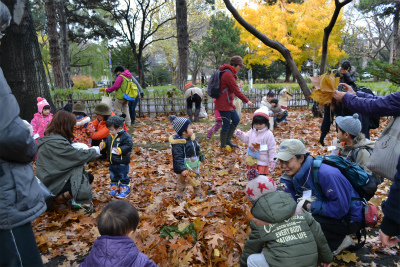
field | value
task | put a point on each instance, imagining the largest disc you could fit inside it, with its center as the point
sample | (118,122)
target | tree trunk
(327,32)
(183,43)
(21,60)
(395,41)
(141,71)
(288,74)
(66,67)
(54,48)
(194,76)
(273,44)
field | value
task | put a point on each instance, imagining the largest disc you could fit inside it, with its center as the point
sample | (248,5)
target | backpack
(353,158)
(131,91)
(214,84)
(373,121)
(361,180)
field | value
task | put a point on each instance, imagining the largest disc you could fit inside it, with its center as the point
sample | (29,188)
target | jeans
(227,117)
(119,173)
(132,108)
(257,260)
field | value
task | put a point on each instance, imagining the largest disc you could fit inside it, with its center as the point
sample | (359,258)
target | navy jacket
(336,201)
(378,106)
(122,141)
(181,149)
(116,251)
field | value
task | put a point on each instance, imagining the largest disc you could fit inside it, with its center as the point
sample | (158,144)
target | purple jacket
(378,106)
(116,251)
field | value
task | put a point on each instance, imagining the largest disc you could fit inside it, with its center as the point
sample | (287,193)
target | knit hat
(42,102)
(259,186)
(349,124)
(102,109)
(290,148)
(180,124)
(263,112)
(79,107)
(117,121)
(236,60)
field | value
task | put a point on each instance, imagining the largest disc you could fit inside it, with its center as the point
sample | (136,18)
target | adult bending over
(224,103)
(194,95)
(335,206)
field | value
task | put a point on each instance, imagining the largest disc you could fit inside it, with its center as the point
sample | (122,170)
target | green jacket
(59,162)
(291,238)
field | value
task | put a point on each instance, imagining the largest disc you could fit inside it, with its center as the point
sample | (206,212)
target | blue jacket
(183,148)
(116,251)
(336,200)
(378,106)
(123,142)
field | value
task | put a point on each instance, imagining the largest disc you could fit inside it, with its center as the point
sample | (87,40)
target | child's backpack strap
(354,153)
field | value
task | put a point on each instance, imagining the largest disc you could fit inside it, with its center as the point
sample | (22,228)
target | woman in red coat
(224,103)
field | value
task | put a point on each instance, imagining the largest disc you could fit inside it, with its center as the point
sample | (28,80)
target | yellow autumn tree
(299,27)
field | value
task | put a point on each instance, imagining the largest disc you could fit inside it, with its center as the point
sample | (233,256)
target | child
(119,146)
(41,119)
(282,234)
(261,137)
(117,224)
(284,98)
(84,127)
(185,152)
(217,126)
(266,100)
(277,112)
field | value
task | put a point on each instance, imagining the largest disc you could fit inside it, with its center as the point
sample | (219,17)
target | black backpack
(373,121)
(214,84)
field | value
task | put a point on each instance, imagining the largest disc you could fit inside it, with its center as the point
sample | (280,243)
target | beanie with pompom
(179,124)
(349,124)
(42,102)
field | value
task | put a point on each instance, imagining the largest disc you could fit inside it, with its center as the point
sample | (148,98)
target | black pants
(67,186)
(196,99)
(18,247)
(336,230)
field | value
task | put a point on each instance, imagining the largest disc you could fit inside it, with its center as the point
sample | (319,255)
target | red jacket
(101,130)
(229,80)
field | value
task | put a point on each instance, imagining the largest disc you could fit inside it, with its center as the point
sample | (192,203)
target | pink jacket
(40,123)
(217,114)
(118,81)
(262,137)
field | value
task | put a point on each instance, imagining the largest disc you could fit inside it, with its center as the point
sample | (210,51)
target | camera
(340,88)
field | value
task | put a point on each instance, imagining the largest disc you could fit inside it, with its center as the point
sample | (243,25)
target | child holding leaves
(262,147)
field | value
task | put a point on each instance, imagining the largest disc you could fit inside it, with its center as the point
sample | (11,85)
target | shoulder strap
(315,168)
(354,152)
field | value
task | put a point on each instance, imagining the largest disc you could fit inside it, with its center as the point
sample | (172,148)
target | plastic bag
(253,154)
(203,112)
(192,164)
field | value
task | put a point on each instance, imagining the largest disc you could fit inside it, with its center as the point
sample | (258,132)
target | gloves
(238,132)
(36,136)
(97,149)
(272,165)
(141,95)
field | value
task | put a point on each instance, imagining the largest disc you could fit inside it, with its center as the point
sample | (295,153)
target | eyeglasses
(285,163)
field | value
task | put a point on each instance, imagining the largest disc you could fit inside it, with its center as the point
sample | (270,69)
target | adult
(347,74)
(370,105)
(336,206)
(120,85)
(194,95)
(224,103)
(21,200)
(133,104)
(60,166)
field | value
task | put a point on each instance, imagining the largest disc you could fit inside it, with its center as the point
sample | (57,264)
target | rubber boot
(190,114)
(229,137)
(223,137)
(196,114)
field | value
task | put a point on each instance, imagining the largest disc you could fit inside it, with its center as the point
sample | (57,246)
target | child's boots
(114,189)
(124,191)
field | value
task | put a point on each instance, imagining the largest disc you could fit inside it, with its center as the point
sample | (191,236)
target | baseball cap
(289,148)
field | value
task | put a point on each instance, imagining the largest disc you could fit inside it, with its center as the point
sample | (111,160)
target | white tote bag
(106,99)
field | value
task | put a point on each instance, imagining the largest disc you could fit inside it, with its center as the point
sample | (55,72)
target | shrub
(82,82)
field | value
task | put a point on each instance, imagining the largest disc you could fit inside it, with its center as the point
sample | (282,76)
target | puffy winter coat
(123,142)
(349,77)
(21,200)
(39,123)
(228,80)
(59,162)
(338,197)
(277,111)
(183,148)
(262,137)
(116,251)
(291,236)
(83,129)
(265,103)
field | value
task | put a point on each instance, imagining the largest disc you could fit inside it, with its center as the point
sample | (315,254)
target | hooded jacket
(120,84)
(349,77)
(291,236)
(59,162)
(193,90)
(83,130)
(39,123)
(116,251)
(123,142)
(183,148)
(338,197)
(21,200)
(262,137)
(228,80)
(101,130)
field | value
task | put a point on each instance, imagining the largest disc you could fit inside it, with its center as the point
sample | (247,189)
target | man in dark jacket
(21,200)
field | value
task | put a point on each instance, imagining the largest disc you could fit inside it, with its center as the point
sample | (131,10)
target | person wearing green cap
(335,207)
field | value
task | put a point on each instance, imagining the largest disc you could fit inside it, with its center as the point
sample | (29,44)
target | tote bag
(107,99)
(386,152)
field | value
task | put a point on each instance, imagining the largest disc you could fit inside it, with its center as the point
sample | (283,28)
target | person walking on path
(194,95)
(224,103)
(120,85)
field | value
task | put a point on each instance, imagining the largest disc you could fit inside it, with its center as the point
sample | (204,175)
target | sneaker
(114,189)
(179,198)
(124,191)
(347,241)
(75,205)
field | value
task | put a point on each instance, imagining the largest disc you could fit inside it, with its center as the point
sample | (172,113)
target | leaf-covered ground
(196,232)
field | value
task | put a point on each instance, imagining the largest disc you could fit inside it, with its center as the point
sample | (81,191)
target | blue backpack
(361,180)
(214,84)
